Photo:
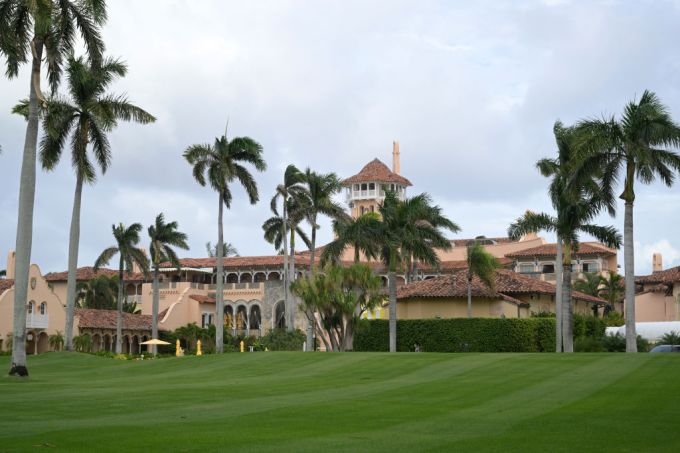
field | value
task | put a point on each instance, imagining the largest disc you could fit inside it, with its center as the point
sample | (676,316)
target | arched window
(31,306)
(43,308)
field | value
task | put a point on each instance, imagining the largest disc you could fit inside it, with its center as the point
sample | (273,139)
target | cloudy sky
(470,91)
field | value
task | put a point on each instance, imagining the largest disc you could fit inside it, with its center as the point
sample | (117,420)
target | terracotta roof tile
(585,248)
(377,171)
(5,284)
(106,319)
(508,283)
(671,275)
(88,273)
(239,262)
(202,299)
(485,241)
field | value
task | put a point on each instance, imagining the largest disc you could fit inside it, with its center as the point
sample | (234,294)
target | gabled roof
(376,170)
(671,275)
(550,250)
(508,285)
(87,273)
(106,319)
(5,284)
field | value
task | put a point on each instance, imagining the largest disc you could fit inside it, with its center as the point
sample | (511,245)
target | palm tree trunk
(25,223)
(154,305)
(286,276)
(73,244)
(629,264)
(219,283)
(567,312)
(392,277)
(310,312)
(119,314)
(558,296)
(312,251)
(469,297)
(293,300)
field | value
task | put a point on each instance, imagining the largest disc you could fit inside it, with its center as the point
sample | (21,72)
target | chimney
(396,168)
(135,267)
(657,263)
(10,265)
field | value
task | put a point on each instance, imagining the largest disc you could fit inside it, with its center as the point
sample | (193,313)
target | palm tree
(361,234)
(87,117)
(611,290)
(99,293)
(590,285)
(637,147)
(45,30)
(482,264)
(291,188)
(321,188)
(219,165)
(56,340)
(3,272)
(573,219)
(130,255)
(163,236)
(228,250)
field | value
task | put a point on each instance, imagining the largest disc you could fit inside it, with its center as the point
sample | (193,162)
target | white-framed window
(357,187)
(371,186)
(30,308)
(364,186)
(43,308)
(206,319)
(526,268)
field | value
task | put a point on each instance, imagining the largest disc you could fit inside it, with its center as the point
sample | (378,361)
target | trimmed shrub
(459,335)
(617,343)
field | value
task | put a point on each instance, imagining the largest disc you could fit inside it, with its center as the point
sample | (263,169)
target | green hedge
(460,335)
(474,335)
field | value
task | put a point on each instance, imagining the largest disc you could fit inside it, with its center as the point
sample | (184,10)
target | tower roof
(376,170)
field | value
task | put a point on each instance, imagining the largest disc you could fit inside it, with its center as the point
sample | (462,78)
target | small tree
(672,338)
(481,264)
(56,340)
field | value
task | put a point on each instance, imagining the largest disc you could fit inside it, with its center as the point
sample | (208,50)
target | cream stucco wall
(55,316)
(654,306)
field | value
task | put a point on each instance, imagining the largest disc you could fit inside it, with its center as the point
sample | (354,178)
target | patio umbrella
(155,341)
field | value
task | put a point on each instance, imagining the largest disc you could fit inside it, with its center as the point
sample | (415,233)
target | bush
(282,340)
(459,335)
(672,338)
(614,319)
(588,344)
(617,343)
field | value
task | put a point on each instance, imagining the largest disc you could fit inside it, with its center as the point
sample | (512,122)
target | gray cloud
(470,90)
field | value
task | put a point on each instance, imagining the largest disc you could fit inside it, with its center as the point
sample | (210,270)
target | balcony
(36,321)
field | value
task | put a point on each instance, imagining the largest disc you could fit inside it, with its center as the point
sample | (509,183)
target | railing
(36,321)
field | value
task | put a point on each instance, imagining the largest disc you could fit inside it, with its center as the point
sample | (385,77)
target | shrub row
(536,334)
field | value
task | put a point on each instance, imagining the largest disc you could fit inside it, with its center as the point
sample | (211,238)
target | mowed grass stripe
(343,402)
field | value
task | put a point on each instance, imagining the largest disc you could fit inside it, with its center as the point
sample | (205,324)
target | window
(548,268)
(364,186)
(363,210)
(526,268)
(356,186)
(206,320)
(371,186)
(392,187)
(30,307)
(43,308)
(590,267)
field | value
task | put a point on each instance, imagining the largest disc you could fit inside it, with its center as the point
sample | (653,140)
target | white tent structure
(650,331)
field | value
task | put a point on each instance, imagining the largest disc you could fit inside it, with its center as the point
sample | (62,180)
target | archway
(107,342)
(255,317)
(241,317)
(260,277)
(246,277)
(135,345)
(273,276)
(279,321)
(31,342)
(43,342)
(126,344)
(232,277)
(229,317)
(96,342)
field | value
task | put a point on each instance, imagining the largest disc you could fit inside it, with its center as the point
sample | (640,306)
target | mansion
(254,291)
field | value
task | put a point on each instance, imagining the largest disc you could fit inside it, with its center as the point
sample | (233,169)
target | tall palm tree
(163,236)
(220,165)
(130,255)
(291,188)
(45,30)
(321,188)
(87,118)
(636,146)
(482,264)
(573,219)
(228,249)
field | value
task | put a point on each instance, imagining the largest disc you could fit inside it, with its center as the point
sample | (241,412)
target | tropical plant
(361,234)
(220,165)
(291,188)
(45,30)
(56,340)
(3,273)
(672,338)
(611,291)
(339,295)
(98,293)
(636,146)
(130,255)
(481,264)
(86,117)
(590,285)
(83,343)
(163,236)
(227,250)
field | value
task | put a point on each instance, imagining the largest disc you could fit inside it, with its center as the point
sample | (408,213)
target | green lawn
(344,402)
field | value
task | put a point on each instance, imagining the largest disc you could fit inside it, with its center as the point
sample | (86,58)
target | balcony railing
(36,321)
